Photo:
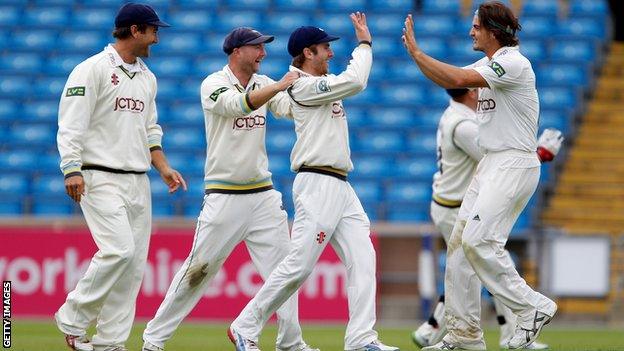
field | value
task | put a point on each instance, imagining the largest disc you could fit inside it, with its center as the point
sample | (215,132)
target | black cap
(457,92)
(304,37)
(132,13)
(242,36)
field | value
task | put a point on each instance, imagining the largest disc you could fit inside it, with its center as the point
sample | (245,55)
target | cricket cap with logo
(307,36)
(242,36)
(133,13)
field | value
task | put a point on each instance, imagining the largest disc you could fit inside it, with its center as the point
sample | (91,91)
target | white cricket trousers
(118,211)
(226,220)
(502,186)
(327,210)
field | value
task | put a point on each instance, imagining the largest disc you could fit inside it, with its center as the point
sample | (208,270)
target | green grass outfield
(28,335)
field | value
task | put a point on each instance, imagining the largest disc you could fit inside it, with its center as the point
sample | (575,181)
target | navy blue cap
(132,13)
(242,36)
(304,37)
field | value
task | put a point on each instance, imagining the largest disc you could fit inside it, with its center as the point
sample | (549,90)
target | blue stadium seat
(449,7)
(197,19)
(51,185)
(226,21)
(343,6)
(285,22)
(158,187)
(434,46)
(46,17)
(385,6)
(557,97)
(34,40)
(378,71)
(424,144)
(18,160)
(403,94)
(434,25)
(260,5)
(11,207)
(296,5)
(334,23)
(178,43)
(584,50)
(168,89)
(94,18)
(20,63)
(12,185)
(392,117)
(428,118)
(190,90)
(387,47)
(373,167)
(50,87)
(190,115)
(33,135)
(279,165)
(198,4)
(380,142)
(368,96)
(388,24)
(534,50)
(274,68)
(540,8)
(582,27)
(53,206)
(189,164)
(409,191)
(554,119)
(171,66)
(15,86)
(538,26)
(184,138)
(356,116)
(437,97)
(367,191)
(163,207)
(208,65)
(42,110)
(420,168)
(408,212)
(462,53)
(404,70)
(281,141)
(9,110)
(63,64)
(89,42)
(10,16)
(48,163)
(561,74)
(596,8)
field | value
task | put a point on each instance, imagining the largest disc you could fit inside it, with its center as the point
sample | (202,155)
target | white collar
(503,50)
(117,61)
(461,108)
(235,81)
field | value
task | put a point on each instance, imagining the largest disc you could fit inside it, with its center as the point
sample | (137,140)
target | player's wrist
(365,42)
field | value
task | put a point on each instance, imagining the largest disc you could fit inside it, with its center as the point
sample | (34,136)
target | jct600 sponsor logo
(486,105)
(249,122)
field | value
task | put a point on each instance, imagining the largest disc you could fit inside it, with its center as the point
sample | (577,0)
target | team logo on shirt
(249,122)
(114,79)
(129,104)
(497,68)
(320,237)
(486,106)
(75,91)
(322,86)
(215,94)
(338,110)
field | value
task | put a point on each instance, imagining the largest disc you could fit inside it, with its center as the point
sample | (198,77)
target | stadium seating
(392,123)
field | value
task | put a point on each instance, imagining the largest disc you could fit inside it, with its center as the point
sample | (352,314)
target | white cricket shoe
(302,347)
(78,343)
(240,342)
(445,345)
(377,345)
(524,337)
(422,336)
(148,346)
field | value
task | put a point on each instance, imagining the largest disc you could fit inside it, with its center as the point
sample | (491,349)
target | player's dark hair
(126,32)
(298,60)
(501,21)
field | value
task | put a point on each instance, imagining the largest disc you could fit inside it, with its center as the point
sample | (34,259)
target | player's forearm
(159,161)
(257,98)
(443,74)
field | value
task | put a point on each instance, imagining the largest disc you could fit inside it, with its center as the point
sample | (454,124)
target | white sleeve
(75,110)
(280,105)
(218,98)
(154,131)
(321,90)
(502,72)
(466,136)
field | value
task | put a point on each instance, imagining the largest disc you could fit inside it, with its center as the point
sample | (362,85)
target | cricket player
(327,210)
(108,136)
(240,203)
(504,181)
(458,154)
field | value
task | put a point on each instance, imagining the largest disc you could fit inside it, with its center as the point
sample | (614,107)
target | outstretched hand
(360,26)
(173,179)
(287,80)
(408,38)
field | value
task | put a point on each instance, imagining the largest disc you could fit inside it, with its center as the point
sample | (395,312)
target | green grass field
(42,336)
